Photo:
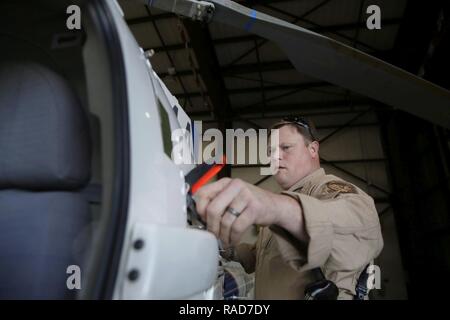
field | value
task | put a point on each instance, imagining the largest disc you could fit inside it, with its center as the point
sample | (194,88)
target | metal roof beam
(297,107)
(299,86)
(243,68)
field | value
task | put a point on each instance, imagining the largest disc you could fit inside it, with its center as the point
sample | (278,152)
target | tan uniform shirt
(344,236)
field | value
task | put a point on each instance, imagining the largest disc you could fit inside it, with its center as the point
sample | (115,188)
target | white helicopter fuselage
(175,261)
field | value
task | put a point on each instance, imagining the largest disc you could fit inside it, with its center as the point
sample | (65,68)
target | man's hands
(256,206)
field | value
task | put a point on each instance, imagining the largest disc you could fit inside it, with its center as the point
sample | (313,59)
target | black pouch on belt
(321,289)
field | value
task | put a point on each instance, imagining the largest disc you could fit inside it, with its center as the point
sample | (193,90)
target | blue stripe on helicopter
(250,23)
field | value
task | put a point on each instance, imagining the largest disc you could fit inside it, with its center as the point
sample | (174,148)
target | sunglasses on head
(300,122)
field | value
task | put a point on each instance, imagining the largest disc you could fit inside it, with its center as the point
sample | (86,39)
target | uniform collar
(309,178)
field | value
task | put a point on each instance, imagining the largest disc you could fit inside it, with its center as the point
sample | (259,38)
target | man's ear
(314,149)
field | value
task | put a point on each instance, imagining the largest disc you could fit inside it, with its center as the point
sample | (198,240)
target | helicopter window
(165,129)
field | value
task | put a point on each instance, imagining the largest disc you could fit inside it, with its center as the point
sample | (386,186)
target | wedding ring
(233,211)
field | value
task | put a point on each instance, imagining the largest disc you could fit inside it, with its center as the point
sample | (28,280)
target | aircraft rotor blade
(326,59)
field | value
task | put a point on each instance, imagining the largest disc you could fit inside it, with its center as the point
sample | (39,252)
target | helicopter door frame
(105,257)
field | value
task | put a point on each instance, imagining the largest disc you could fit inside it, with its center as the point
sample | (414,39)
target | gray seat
(44,163)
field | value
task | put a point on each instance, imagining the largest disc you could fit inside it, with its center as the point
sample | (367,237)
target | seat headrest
(44,133)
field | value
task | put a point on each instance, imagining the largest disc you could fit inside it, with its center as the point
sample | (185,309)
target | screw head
(138,244)
(133,275)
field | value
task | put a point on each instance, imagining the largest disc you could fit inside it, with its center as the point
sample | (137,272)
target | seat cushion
(44,132)
(41,234)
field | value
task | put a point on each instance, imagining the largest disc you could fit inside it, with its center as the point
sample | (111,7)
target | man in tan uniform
(319,220)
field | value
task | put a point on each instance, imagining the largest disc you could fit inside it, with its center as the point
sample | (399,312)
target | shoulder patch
(340,186)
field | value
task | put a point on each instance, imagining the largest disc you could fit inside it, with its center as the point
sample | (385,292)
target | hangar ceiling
(251,74)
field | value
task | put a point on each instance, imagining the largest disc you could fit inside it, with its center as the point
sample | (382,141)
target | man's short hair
(304,126)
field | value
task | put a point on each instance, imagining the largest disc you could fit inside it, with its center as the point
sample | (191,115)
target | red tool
(208,176)
(197,178)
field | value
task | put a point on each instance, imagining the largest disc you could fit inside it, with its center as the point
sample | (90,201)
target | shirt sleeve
(343,230)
